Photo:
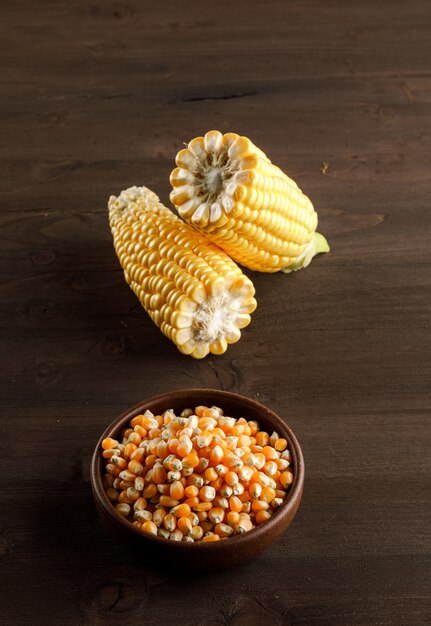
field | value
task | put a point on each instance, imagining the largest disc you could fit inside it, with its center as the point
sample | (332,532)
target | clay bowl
(202,556)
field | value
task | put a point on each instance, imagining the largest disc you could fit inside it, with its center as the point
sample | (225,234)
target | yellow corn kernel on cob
(229,190)
(191,289)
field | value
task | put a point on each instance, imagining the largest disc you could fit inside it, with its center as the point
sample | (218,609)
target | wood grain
(97,96)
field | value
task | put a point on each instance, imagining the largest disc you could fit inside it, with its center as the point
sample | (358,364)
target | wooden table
(99,96)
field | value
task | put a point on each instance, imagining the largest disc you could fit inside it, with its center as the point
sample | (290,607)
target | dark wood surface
(98,96)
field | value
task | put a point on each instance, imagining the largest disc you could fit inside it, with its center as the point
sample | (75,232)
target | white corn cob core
(191,289)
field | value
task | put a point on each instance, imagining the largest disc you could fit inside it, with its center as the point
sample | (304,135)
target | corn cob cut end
(226,188)
(197,295)
(318,245)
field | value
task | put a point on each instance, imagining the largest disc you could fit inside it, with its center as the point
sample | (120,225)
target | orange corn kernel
(191,491)
(286,478)
(203,506)
(235,504)
(262,438)
(159,474)
(262,516)
(223,530)
(259,505)
(129,450)
(150,491)
(211,474)
(280,445)
(192,502)
(168,501)
(109,443)
(190,460)
(181,510)
(232,518)
(231,478)
(176,490)
(267,495)
(269,453)
(185,525)
(210,538)
(149,527)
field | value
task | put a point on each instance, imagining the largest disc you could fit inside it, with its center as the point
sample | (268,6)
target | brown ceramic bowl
(203,556)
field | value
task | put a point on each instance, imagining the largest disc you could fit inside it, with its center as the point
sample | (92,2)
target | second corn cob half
(228,189)
(191,289)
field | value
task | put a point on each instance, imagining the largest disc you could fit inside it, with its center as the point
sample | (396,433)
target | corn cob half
(191,289)
(229,190)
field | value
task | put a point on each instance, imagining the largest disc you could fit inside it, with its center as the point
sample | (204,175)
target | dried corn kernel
(200,476)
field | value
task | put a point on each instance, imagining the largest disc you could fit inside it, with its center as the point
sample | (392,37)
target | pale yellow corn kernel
(163,532)
(226,491)
(132,493)
(192,290)
(195,480)
(123,509)
(176,535)
(207,493)
(259,460)
(194,519)
(221,502)
(276,503)
(172,477)
(221,469)
(244,525)
(139,483)
(255,490)
(143,516)
(118,461)
(245,474)
(197,533)
(170,522)
(216,514)
(270,468)
(158,516)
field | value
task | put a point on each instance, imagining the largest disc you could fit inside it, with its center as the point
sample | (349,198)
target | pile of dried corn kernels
(200,476)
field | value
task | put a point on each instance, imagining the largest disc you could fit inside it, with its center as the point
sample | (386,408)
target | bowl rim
(288,505)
